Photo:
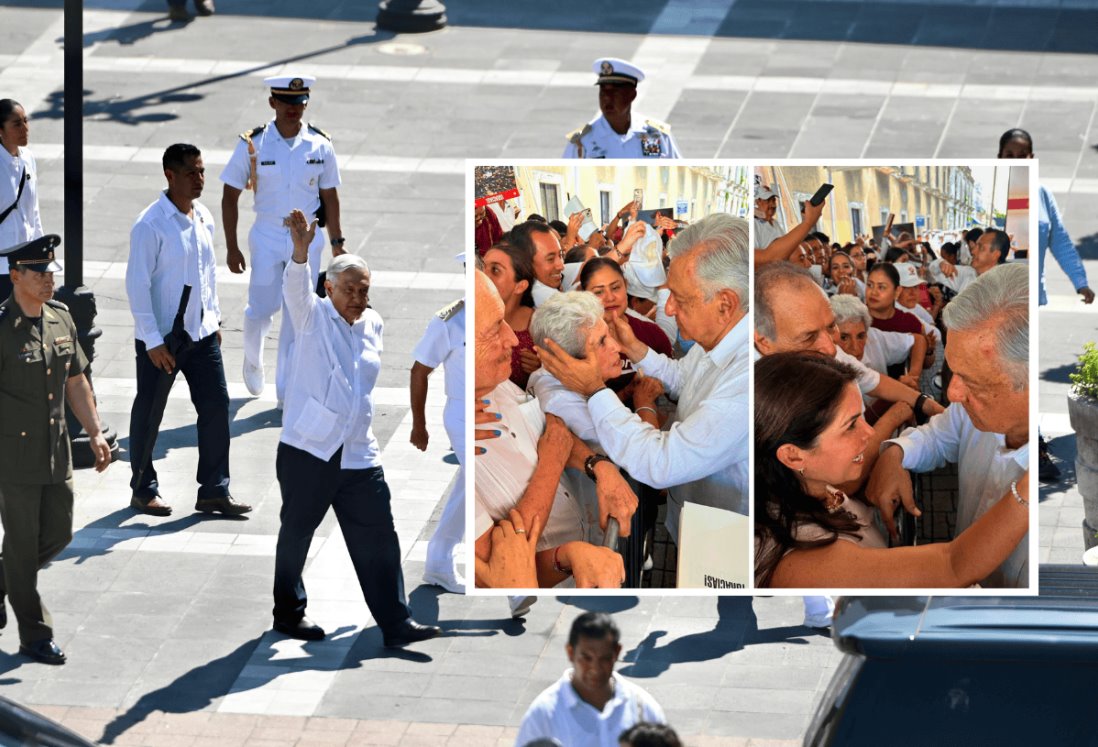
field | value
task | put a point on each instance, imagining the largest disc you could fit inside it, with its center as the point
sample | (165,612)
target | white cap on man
(615,72)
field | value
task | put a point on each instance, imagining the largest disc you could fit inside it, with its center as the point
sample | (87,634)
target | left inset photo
(611,418)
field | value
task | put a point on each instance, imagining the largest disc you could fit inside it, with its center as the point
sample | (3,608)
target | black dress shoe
(153,505)
(409,631)
(304,629)
(226,504)
(44,651)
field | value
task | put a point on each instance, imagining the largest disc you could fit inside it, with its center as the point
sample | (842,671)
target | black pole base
(81,303)
(411,16)
(82,455)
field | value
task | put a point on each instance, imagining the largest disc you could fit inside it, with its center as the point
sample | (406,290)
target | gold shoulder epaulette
(320,132)
(249,134)
(57,305)
(446,313)
(658,125)
(575,135)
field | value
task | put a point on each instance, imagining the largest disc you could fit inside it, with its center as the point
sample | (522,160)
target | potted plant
(1083,411)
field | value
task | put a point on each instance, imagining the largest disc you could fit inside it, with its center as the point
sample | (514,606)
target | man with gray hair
(792,313)
(985,430)
(702,458)
(328,456)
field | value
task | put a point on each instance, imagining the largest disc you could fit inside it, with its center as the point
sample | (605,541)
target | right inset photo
(892,377)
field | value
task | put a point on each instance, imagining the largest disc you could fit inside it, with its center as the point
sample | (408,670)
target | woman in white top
(18,186)
(810,436)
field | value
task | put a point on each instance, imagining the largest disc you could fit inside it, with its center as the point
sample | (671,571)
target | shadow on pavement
(134,32)
(115,519)
(938,23)
(201,686)
(424,603)
(127,110)
(1058,374)
(737,627)
(186,436)
(612,605)
(1063,450)
(1088,245)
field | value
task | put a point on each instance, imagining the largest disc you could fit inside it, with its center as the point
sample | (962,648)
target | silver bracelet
(1017,496)
(650,409)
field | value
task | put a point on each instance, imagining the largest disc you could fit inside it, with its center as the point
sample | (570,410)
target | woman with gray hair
(874,347)
(573,320)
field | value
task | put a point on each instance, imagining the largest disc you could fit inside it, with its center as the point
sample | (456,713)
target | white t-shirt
(503,472)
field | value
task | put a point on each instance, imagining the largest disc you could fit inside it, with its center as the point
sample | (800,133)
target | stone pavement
(166,620)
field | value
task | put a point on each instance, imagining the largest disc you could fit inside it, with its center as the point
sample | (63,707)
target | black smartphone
(821,194)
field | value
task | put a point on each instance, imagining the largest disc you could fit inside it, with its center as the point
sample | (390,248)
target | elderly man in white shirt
(327,453)
(590,705)
(792,313)
(985,430)
(171,246)
(703,457)
(520,465)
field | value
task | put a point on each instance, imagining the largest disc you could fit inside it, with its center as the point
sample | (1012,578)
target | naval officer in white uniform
(444,344)
(288,164)
(616,133)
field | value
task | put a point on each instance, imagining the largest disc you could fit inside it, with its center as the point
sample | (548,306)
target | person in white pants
(289,165)
(444,344)
(818,611)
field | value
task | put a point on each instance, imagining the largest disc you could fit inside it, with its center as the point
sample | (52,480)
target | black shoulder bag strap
(22,181)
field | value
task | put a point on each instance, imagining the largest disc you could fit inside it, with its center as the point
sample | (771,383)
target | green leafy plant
(1084,382)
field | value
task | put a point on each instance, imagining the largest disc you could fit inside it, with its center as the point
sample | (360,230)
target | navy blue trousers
(361,501)
(205,374)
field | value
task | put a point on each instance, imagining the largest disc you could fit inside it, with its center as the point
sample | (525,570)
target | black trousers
(205,373)
(361,500)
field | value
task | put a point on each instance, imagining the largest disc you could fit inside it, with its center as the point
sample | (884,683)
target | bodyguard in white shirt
(589,706)
(171,246)
(703,457)
(327,453)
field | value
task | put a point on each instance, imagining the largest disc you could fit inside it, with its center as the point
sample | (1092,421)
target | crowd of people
(852,343)
(639,384)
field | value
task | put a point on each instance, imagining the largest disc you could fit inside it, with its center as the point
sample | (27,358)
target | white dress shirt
(503,472)
(24,222)
(567,405)
(986,467)
(559,713)
(443,344)
(290,173)
(643,140)
(884,349)
(702,457)
(867,378)
(330,394)
(964,276)
(168,250)
(540,293)
(920,312)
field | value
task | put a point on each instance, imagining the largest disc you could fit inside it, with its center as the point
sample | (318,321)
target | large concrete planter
(1083,412)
